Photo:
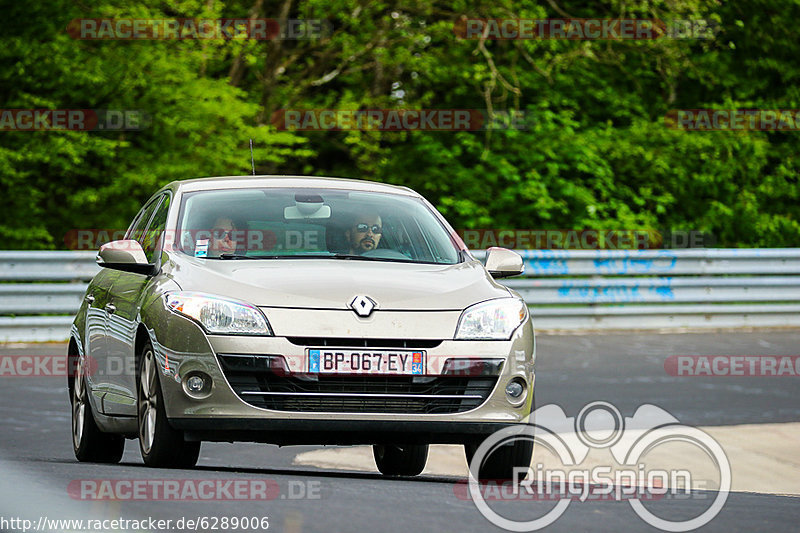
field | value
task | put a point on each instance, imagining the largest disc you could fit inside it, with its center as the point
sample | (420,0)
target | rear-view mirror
(307,206)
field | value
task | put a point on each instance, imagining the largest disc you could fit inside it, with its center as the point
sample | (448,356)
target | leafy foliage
(596,151)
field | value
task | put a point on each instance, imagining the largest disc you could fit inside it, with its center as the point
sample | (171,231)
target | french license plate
(332,361)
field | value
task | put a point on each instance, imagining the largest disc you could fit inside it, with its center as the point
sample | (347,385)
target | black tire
(500,464)
(400,460)
(89,443)
(160,444)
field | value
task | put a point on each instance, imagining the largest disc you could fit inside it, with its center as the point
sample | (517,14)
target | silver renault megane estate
(298,310)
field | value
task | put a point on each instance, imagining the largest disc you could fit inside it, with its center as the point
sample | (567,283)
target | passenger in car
(223,237)
(364,234)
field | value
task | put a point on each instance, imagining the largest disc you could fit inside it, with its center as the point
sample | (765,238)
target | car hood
(332,283)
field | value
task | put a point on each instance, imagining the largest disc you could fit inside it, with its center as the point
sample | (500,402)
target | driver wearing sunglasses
(365,233)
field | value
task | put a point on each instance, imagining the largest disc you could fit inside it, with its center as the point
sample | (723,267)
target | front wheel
(500,463)
(159,443)
(89,443)
(400,460)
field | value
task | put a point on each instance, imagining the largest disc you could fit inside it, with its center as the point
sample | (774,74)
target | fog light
(197,384)
(515,391)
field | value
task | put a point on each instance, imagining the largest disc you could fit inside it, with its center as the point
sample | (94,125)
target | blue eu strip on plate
(313,360)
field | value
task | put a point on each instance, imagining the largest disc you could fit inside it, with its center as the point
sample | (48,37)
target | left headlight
(492,320)
(219,315)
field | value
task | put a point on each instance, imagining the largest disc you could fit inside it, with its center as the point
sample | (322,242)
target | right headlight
(492,320)
(218,315)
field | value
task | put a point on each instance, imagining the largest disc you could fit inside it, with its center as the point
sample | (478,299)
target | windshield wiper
(353,257)
(281,256)
(370,258)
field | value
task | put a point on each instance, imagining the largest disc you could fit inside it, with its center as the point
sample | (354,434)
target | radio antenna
(252,160)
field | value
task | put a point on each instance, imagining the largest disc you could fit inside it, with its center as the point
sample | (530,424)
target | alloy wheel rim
(148,402)
(78,405)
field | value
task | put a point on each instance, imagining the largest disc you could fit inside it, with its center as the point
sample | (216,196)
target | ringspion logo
(600,425)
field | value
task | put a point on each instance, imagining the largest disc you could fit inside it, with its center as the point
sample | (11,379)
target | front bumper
(335,432)
(224,416)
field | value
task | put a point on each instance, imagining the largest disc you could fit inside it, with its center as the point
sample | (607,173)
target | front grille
(261,386)
(414,344)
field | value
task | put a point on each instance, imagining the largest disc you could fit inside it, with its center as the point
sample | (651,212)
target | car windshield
(279,223)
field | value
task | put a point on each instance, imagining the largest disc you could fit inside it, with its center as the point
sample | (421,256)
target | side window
(156,228)
(137,230)
(134,223)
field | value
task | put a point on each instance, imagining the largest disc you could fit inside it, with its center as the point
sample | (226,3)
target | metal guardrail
(694,262)
(659,289)
(565,289)
(47,266)
(43,298)
(42,309)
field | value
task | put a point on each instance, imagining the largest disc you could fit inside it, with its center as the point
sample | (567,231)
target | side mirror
(503,263)
(125,255)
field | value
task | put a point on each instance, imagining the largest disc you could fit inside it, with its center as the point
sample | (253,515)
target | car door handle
(110,308)
(89,299)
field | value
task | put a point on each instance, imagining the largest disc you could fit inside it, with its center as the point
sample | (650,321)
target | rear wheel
(88,442)
(159,443)
(400,460)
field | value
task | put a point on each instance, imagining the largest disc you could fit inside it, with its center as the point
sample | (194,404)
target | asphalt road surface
(40,473)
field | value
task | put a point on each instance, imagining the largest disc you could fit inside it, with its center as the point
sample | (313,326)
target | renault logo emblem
(363,305)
